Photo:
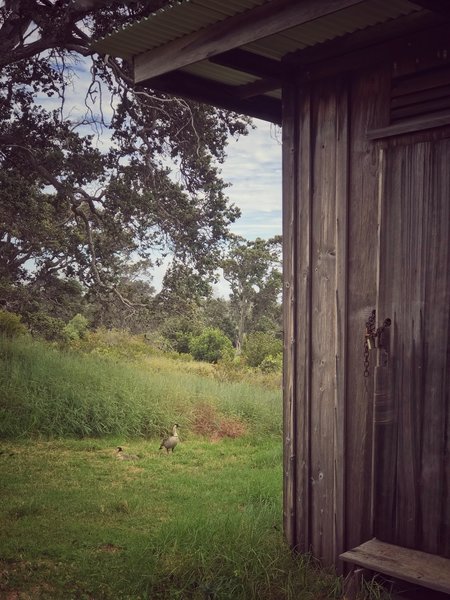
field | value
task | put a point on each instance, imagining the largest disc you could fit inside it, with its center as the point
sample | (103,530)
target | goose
(170,442)
(124,456)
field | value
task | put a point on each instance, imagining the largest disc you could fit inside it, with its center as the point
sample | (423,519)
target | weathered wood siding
(331,244)
(415,292)
(334,187)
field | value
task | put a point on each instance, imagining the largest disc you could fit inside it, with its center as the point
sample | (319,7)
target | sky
(253,167)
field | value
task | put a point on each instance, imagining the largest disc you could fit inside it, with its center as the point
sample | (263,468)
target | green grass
(204,522)
(46,392)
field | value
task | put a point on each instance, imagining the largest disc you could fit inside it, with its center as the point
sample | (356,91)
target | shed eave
(239,50)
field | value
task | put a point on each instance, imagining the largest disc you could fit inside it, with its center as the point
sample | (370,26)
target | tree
(217,313)
(252,269)
(86,212)
(135,316)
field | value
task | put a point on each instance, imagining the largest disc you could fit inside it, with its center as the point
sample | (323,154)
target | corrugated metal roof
(194,15)
(170,24)
(347,20)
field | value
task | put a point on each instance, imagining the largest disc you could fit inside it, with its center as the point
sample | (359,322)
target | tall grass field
(202,523)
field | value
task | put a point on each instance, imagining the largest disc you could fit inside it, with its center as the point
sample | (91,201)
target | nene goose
(124,456)
(170,442)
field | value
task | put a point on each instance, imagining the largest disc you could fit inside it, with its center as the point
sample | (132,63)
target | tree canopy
(253,270)
(71,207)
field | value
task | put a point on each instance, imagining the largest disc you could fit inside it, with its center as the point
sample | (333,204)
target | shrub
(10,324)
(44,326)
(178,331)
(260,345)
(76,328)
(211,345)
(271,364)
(114,343)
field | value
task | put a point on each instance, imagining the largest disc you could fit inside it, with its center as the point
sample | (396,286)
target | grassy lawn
(202,523)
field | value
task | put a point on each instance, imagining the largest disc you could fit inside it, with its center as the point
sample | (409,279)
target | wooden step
(428,570)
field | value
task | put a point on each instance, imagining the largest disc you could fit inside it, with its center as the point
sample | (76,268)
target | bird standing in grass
(170,442)
(124,456)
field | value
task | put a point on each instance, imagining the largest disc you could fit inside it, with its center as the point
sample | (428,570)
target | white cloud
(253,167)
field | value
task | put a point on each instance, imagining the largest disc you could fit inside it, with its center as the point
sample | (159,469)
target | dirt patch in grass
(109,548)
(209,422)
(25,570)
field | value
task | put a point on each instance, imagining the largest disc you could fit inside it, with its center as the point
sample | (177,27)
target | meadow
(202,523)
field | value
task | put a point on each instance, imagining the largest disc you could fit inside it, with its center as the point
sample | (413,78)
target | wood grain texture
(323,336)
(410,565)
(341,320)
(424,123)
(304,320)
(289,310)
(369,108)
(415,292)
(368,226)
(426,47)
(321,317)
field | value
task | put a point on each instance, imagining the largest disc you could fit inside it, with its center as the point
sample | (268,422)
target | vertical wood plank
(369,104)
(323,337)
(303,320)
(290,141)
(385,405)
(434,498)
(404,246)
(341,283)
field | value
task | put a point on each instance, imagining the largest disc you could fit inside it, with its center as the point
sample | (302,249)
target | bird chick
(170,442)
(124,456)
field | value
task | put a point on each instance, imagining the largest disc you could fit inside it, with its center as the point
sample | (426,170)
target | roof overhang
(232,54)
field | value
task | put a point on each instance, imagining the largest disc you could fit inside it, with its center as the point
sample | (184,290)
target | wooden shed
(362,90)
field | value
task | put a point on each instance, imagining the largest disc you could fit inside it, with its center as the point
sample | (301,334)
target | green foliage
(76,328)
(50,167)
(211,345)
(137,316)
(272,364)
(178,331)
(253,270)
(46,327)
(56,297)
(217,313)
(258,346)
(11,324)
(113,343)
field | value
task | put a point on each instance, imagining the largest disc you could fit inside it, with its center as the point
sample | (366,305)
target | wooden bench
(428,570)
